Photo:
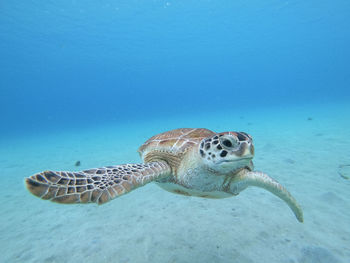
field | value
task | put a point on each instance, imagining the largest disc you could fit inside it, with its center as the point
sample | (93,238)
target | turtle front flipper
(98,185)
(259,179)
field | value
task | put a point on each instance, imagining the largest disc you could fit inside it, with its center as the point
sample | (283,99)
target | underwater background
(90,81)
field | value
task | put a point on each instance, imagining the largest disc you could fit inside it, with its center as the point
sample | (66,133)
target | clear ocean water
(90,81)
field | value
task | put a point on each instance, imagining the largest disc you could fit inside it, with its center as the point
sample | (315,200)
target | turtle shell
(170,146)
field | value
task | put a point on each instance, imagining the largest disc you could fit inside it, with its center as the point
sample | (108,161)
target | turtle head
(227,151)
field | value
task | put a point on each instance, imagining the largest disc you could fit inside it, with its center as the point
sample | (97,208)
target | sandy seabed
(301,147)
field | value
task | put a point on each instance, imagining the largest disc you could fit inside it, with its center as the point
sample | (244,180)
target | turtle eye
(228,142)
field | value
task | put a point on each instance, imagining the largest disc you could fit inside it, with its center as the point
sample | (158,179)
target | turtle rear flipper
(98,185)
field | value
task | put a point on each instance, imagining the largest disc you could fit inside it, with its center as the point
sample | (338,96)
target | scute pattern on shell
(174,141)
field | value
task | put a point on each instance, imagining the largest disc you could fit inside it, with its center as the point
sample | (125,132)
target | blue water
(92,80)
(77,62)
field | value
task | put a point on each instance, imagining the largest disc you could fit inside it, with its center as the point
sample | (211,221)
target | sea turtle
(192,162)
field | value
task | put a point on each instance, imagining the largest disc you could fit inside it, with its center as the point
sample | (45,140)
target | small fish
(344,171)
